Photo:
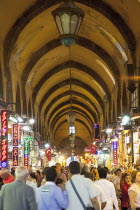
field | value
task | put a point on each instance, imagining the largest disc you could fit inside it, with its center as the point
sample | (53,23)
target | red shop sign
(15,135)
(15,156)
(4,141)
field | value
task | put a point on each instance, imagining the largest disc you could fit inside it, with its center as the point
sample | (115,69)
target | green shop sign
(28,138)
(26,147)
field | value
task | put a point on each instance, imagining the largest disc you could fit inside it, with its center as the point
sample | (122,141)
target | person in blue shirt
(50,196)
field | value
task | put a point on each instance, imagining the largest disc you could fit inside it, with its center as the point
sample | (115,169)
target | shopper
(50,196)
(60,174)
(39,178)
(134,190)
(6,176)
(85,188)
(125,185)
(109,190)
(17,195)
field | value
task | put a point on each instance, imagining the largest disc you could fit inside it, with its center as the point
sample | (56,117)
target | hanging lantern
(68,18)
(71,138)
(71,116)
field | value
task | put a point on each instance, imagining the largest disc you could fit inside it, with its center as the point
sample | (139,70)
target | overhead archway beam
(41,6)
(64,114)
(60,96)
(72,64)
(74,93)
(65,103)
(77,110)
(80,41)
(82,85)
(78,120)
(63,84)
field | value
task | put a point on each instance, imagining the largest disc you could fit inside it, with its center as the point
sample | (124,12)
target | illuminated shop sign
(15,156)
(15,135)
(26,151)
(28,138)
(96,132)
(4,141)
(15,144)
(115,152)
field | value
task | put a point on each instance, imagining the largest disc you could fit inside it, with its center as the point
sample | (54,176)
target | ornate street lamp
(68,18)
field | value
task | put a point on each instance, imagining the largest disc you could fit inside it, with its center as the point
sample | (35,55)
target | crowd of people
(73,188)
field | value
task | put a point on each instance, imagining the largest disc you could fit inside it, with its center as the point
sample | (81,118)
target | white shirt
(110,193)
(86,190)
(102,197)
(134,187)
(116,182)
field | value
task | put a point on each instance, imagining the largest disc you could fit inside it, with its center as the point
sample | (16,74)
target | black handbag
(84,206)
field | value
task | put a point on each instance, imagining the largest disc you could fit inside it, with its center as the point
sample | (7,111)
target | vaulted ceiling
(34,61)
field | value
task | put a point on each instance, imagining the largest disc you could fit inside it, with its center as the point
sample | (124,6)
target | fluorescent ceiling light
(125,119)
(20,119)
(13,119)
(135,117)
(47,145)
(26,128)
(31,121)
(109,130)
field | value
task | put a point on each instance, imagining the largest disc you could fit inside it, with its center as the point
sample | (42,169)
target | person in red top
(125,184)
(6,176)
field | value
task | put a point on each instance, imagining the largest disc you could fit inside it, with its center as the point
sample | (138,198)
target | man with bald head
(6,176)
(17,195)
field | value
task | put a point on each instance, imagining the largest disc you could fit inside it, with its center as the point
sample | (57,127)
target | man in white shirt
(85,187)
(109,190)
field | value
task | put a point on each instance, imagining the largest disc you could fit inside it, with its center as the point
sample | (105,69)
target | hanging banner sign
(4,139)
(15,135)
(26,151)
(96,132)
(15,144)
(115,152)
(15,156)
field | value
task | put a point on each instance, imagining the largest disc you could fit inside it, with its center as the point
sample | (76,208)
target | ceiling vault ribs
(65,103)
(56,87)
(41,6)
(66,94)
(86,87)
(65,110)
(64,114)
(80,41)
(72,64)
(78,120)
